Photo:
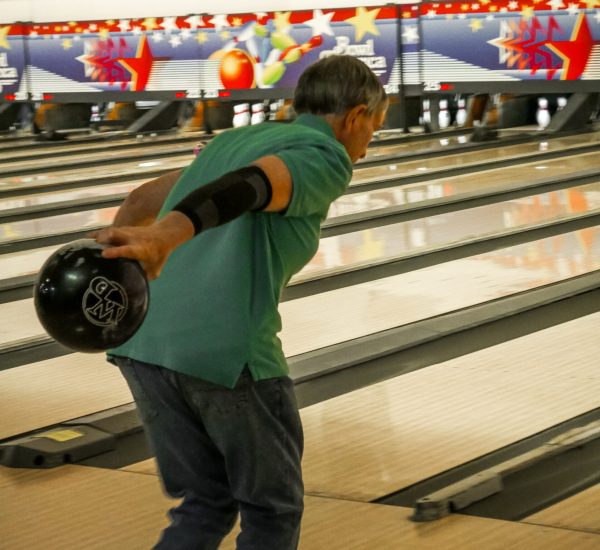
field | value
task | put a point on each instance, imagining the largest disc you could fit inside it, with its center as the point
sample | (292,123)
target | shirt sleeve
(320,173)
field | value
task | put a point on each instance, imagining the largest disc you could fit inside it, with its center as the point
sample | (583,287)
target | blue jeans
(223,451)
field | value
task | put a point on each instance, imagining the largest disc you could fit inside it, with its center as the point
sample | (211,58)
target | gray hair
(337,83)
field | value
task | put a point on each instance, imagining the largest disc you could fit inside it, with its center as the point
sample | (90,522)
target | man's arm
(213,204)
(143,204)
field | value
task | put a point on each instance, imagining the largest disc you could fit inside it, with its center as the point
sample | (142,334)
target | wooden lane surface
(579,512)
(312,322)
(377,243)
(176,149)
(361,175)
(49,392)
(76,507)
(379,439)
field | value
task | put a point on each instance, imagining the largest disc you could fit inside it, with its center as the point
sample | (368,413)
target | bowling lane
(101,156)
(309,323)
(361,175)
(76,147)
(410,194)
(391,241)
(431,166)
(72,195)
(313,322)
(412,427)
(139,169)
(509,177)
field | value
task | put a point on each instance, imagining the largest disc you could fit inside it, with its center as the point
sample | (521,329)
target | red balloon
(237,70)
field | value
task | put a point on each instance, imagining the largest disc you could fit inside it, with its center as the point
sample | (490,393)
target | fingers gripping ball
(89,303)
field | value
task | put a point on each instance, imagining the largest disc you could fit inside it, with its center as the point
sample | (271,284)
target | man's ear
(352,116)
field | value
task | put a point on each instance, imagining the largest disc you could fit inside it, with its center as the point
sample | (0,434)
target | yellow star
(590,4)
(486,2)
(282,20)
(103,33)
(58,28)
(3,40)
(363,22)
(225,35)
(493,8)
(110,22)
(201,37)
(464,7)
(150,23)
(475,25)
(72,24)
(236,22)
(527,12)
(67,44)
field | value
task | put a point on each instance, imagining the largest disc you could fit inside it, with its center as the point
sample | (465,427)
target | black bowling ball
(88,303)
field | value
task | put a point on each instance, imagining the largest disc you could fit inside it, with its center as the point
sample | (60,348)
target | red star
(575,52)
(139,66)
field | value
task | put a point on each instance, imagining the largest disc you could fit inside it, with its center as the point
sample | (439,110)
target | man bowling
(220,241)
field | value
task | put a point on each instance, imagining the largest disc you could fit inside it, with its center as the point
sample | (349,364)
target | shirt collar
(316,122)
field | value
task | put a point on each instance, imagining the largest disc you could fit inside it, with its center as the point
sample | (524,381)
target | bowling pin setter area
(442,340)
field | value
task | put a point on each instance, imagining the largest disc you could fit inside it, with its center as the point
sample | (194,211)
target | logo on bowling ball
(104,302)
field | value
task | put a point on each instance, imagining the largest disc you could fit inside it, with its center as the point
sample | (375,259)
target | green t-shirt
(213,309)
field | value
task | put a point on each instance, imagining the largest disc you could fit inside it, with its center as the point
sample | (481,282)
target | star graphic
(195,21)
(157,37)
(282,20)
(476,25)
(431,13)
(93,27)
(475,7)
(236,22)
(320,23)
(3,40)
(33,34)
(169,24)
(573,9)
(575,52)
(139,66)
(219,21)
(124,25)
(556,4)
(186,33)
(201,37)
(175,41)
(150,23)
(136,30)
(410,35)
(103,33)
(225,35)
(485,2)
(67,44)
(591,4)
(513,5)
(464,7)
(363,22)
(527,12)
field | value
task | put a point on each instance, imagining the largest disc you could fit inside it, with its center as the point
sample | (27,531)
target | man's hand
(151,245)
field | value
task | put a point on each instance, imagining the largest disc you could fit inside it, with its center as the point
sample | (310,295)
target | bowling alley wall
(168,51)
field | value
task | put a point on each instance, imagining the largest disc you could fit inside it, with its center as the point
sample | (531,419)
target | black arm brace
(226,198)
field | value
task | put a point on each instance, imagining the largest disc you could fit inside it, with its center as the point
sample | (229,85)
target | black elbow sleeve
(226,198)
